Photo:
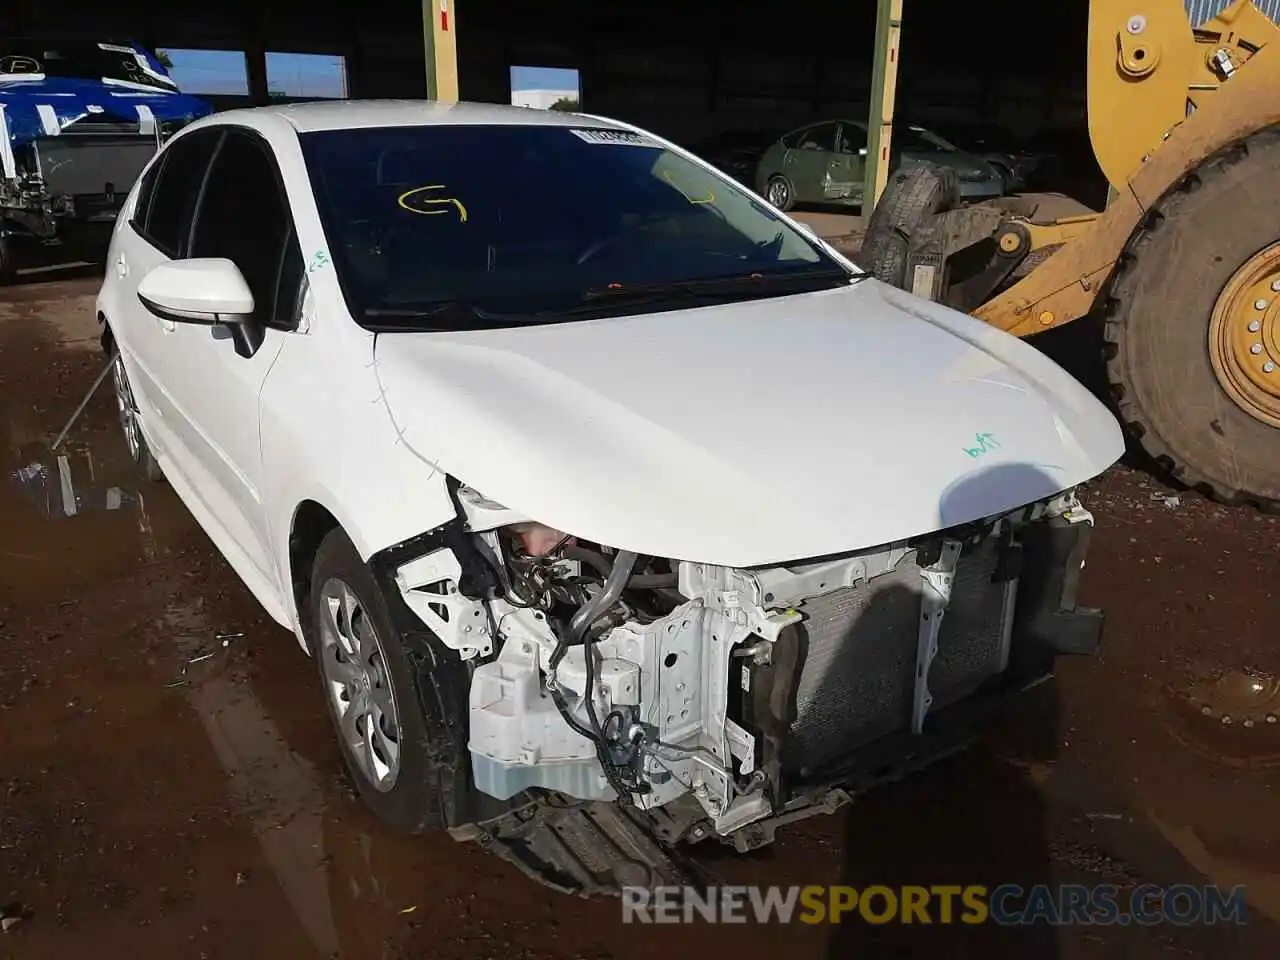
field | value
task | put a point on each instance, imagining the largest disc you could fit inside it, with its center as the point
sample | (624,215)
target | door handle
(122,267)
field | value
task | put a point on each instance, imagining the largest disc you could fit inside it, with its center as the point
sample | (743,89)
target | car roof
(353,114)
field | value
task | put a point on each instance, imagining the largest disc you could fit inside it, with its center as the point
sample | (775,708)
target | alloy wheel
(128,411)
(358,685)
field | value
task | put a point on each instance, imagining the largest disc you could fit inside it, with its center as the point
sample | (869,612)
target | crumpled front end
(725,701)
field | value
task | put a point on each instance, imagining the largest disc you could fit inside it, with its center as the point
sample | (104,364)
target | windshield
(535,219)
(917,139)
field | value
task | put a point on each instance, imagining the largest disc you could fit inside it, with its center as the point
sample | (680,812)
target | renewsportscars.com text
(1006,905)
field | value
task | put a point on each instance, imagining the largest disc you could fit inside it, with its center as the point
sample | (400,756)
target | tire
(411,798)
(8,268)
(786,194)
(912,196)
(130,421)
(1157,320)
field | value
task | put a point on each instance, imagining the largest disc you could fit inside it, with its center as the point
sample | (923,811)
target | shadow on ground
(974,819)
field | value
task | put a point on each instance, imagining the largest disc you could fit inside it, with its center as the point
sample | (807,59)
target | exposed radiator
(858,675)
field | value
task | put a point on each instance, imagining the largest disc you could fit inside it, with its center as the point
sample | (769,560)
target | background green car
(825,163)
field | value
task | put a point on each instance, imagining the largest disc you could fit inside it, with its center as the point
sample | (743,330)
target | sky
(311,74)
(544,78)
(290,74)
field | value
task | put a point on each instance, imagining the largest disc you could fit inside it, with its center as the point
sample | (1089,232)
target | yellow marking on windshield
(709,198)
(403,202)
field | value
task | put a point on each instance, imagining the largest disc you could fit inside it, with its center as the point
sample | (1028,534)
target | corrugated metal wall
(1201,10)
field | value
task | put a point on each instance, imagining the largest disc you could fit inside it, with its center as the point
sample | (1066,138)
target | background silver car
(825,162)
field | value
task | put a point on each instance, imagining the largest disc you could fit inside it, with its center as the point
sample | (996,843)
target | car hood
(749,433)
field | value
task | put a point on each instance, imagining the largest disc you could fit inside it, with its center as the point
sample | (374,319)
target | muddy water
(169,785)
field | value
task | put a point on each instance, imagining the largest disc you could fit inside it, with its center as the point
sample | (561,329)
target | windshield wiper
(730,284)
(448,314)
(451,315)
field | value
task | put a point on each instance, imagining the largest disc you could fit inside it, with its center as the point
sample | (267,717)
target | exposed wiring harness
(615,759)
(533,583)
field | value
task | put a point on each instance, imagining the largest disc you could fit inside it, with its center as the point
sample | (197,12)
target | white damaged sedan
(616,510)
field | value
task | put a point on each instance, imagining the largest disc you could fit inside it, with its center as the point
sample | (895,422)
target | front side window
(178,175)
(530,219)
(245,218)
(853,138)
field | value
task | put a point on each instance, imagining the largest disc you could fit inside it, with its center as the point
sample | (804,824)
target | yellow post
(884,89)
(440,33)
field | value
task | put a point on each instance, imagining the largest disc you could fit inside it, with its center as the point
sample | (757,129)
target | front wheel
(369,687)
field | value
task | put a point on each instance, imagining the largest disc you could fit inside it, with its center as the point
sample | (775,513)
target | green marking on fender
(986,442)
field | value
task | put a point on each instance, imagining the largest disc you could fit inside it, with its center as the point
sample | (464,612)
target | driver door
(808,161)
(242,215)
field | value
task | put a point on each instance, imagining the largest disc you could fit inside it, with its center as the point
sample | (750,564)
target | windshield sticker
(416,201)
(623,138)
(986,443)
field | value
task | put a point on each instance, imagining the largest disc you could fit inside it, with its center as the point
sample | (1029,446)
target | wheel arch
(315,512)
(311,523)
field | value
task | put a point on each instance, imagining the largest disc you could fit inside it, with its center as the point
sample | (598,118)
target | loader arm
(1161,98)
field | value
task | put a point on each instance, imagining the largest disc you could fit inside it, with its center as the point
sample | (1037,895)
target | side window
(173,195)
(145,189)
(244,216)
(821,137)
(852,138)
(290,286)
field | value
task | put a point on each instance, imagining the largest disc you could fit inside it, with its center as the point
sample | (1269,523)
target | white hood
(750,433)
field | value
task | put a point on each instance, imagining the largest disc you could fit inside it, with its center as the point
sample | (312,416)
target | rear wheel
(779,193)
(1193,326)
(130,424)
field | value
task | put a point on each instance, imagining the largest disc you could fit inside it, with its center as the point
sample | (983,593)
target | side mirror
(208,291)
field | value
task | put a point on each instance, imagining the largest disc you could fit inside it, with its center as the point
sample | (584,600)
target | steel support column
(440,40)
(884,89)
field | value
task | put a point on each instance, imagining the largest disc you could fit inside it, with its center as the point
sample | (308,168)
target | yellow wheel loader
(1183,265)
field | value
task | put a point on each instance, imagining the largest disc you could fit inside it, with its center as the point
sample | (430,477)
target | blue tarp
(39,105)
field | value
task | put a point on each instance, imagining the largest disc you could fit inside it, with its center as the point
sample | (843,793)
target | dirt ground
(152,807)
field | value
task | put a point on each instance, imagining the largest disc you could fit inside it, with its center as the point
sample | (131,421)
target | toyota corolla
(614,508)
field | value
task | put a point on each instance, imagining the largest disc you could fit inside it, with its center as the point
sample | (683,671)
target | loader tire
(912,196)
(1159,316)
